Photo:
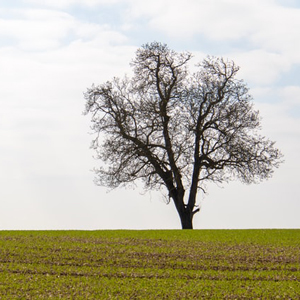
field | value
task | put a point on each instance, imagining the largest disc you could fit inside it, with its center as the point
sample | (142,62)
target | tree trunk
(185,213)
(186,218)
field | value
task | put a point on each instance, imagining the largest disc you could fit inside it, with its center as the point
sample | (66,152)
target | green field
(158,264)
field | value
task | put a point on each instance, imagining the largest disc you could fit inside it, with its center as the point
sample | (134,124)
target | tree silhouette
(178,130)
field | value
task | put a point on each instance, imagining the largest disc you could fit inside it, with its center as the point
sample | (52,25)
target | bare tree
(171,128)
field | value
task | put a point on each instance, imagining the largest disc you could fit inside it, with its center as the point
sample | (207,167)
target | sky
(51,51)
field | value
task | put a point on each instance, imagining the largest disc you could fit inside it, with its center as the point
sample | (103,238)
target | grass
(158,264)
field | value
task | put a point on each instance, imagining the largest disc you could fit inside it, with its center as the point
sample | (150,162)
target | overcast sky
(51,51)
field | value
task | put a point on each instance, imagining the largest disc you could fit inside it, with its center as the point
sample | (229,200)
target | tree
(178,130)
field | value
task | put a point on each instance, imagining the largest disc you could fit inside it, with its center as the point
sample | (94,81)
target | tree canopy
(178,130)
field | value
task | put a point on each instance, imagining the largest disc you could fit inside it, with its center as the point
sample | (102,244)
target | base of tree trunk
(186,221)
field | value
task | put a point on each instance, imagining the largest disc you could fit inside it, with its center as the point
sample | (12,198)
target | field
(158,264)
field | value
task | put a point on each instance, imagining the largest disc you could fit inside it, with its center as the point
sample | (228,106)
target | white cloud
(216,19)
(259,67)
(41,29)
(221,20)
(291,95)
(67,3)
(278,31)
(260,24)
(36,29)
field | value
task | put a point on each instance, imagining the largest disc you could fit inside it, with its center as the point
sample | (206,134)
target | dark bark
(186,218)
(185,212)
